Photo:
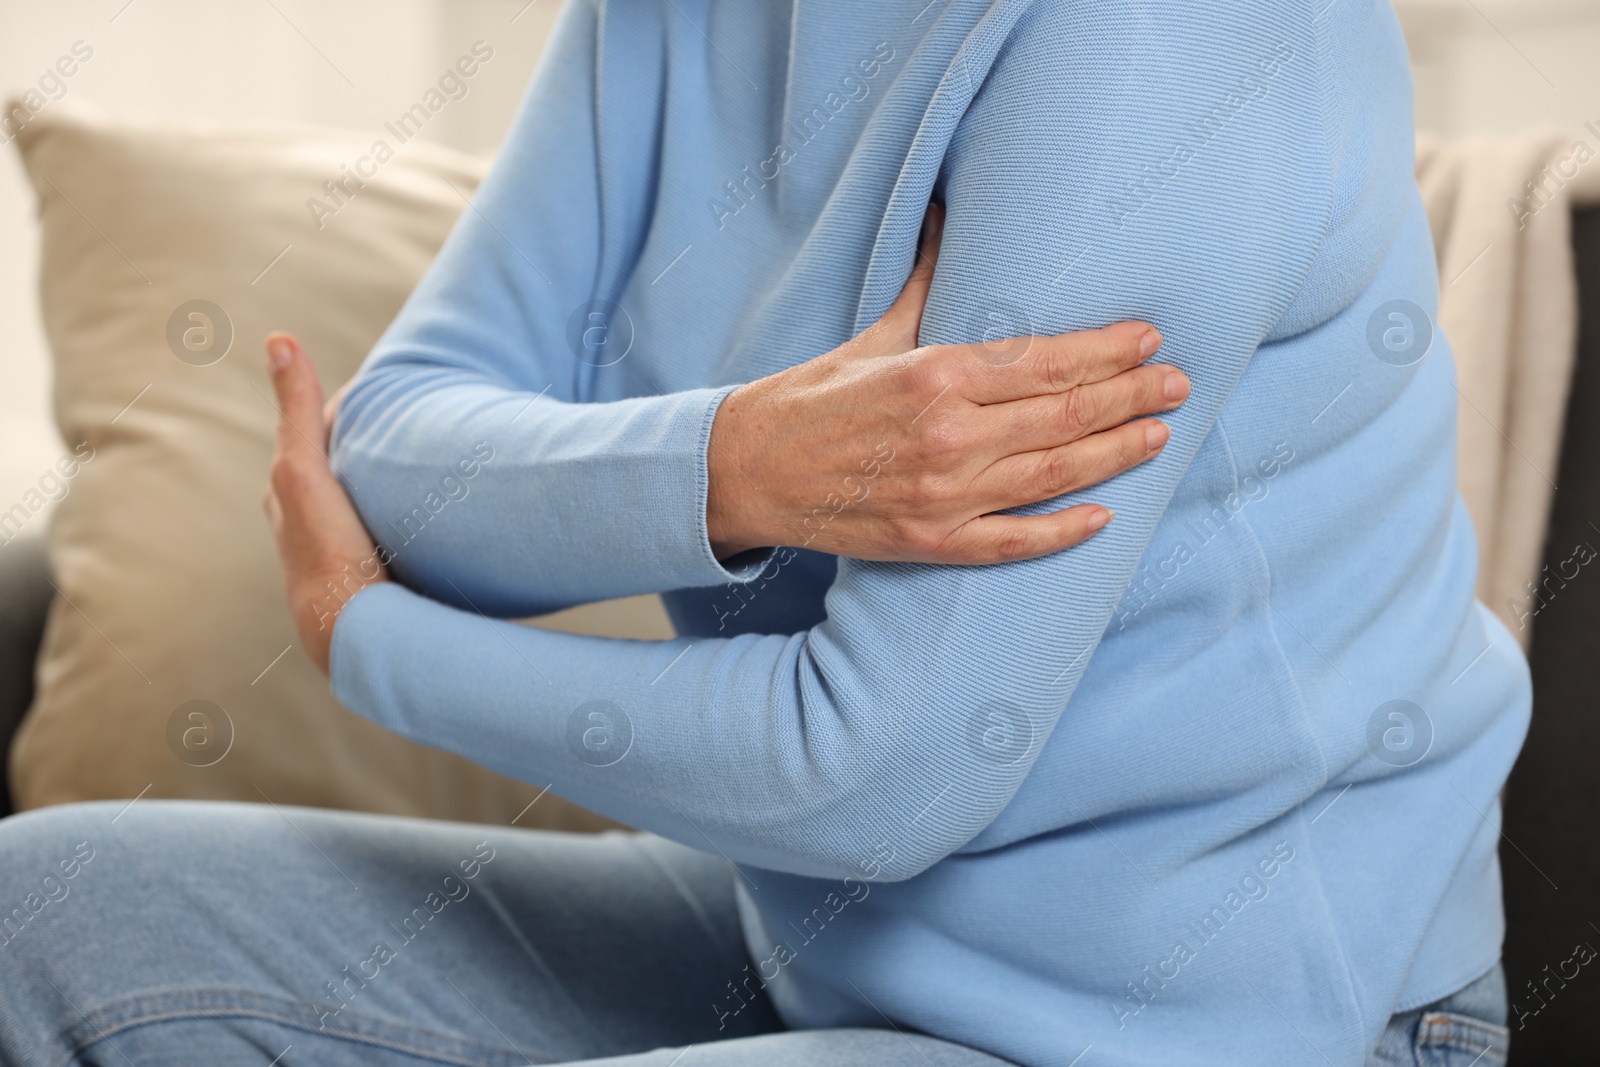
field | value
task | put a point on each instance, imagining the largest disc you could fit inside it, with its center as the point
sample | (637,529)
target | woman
(1214,785)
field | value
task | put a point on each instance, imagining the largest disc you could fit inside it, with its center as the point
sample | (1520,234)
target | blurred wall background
(1481,66)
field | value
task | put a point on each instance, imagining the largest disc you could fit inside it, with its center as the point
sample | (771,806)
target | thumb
(299,392)
(928,246)
(905,315)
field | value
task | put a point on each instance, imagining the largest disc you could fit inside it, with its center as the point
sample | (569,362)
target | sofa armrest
(25,593)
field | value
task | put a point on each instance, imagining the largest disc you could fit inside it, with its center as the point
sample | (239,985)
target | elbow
(888,864)
(884,854)
(357,406)
(884,797)
(906,849)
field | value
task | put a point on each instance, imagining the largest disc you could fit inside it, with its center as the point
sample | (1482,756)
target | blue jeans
(1466,1029)
(179,933)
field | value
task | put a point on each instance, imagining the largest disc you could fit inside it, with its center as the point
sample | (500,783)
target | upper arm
(1048,231)
(912,714)
(489,371)
(494,305)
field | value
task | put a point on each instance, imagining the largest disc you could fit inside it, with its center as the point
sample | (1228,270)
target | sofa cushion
(169,666)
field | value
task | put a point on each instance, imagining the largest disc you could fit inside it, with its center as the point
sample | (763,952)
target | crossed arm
(804,752)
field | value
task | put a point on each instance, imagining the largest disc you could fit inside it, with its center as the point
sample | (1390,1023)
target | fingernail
(1149,343)
(1175,386)
(1155,435)
(1100,518)
(279,353)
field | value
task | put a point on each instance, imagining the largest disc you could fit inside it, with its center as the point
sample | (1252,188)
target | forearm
(916,709)
(514,504)
(800,753)
(469,441)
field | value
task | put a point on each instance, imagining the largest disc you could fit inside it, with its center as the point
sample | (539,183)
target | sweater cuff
(746,565)
(357,627)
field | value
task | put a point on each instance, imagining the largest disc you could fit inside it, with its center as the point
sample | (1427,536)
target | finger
(1048,473)
(928,246)
(1055,364)
(1038,422)
(300,426)
(903,320)
(312,512)
(915,293)
(1004,538)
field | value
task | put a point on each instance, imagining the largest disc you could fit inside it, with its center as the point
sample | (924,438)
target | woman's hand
(327,554)
(885,451)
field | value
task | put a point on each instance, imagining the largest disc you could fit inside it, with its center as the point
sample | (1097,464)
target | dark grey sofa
(25,593)
(1552,822)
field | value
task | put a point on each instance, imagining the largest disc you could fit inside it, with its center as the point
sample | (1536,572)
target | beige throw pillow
(169,666)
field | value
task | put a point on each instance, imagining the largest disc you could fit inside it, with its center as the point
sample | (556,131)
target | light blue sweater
(1147,794)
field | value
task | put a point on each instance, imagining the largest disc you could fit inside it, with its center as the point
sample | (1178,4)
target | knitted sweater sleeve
(476,389)
(1082,188)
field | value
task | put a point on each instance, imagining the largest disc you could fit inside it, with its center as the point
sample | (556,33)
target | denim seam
(1463,1033)
(123,1016)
